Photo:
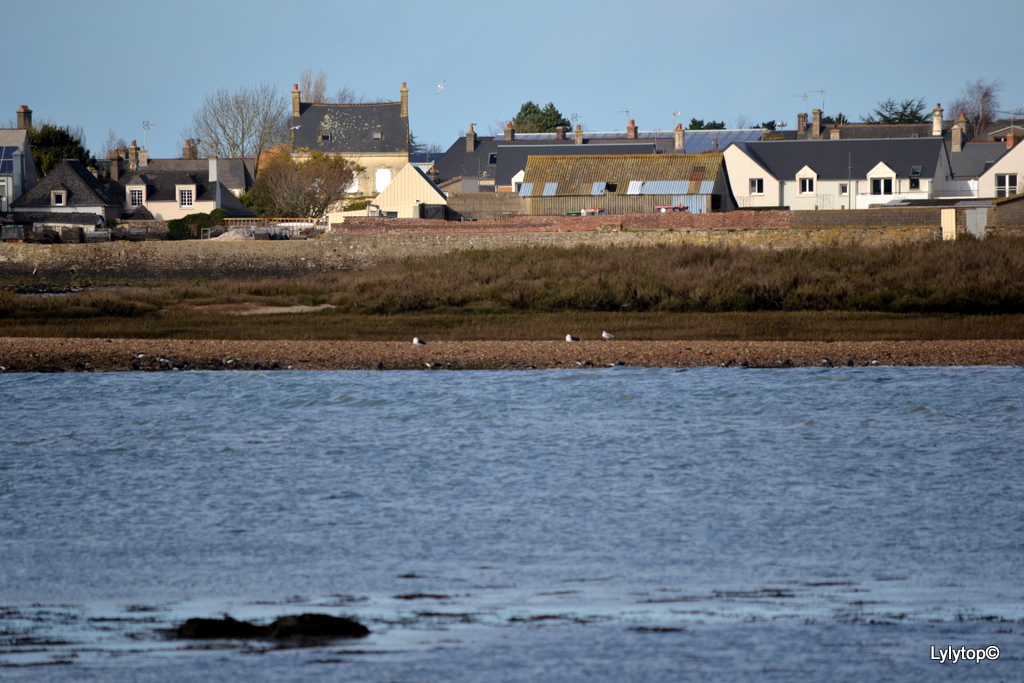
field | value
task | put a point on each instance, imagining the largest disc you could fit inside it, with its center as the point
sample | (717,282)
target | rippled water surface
(601,525)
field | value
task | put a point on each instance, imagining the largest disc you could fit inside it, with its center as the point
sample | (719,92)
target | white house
(835,174)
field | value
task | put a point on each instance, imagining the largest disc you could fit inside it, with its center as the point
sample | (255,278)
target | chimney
(835,134)
(190,150)
(133,156)
(937,120)
(215,182)
(680,145)
(631,130)
(115,165)
(560,132)
(801,124)
(404,92)
(1011,140)
(578,134)
(510,132)
(471,139)
(815,124)
(958,133)
(295,101)
(143,157)
(714,142)
(24,118)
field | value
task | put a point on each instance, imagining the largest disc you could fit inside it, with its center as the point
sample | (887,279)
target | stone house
(373,136)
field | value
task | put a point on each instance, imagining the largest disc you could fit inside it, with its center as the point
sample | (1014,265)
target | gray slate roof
(351,128)
(840,159)
(161,188)
(975,157)
(512,155)
(83,188)
(234,173)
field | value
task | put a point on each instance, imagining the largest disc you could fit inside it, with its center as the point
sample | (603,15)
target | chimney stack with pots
(471,139)
(510,132)
(680,138)
(631,130)
(24,118)
(816,124)
(937,120)
(578,134)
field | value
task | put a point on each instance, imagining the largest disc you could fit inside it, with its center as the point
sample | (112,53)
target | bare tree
(314,89)
(242,124)
(304,189)
(978,101)
(114,143)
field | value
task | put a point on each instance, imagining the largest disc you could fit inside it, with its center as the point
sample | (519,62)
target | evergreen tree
(533,119)
(52,144)
(906,111)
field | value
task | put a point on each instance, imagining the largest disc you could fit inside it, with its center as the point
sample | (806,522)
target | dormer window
(135,196)
(58,198)
(492,158)
(806,185)
(185,197)
(378,136)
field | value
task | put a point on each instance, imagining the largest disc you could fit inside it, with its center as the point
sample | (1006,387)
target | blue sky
(110,66)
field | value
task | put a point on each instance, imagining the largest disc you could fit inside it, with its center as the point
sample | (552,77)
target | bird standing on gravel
(570,338)
(418,342)
(607,335)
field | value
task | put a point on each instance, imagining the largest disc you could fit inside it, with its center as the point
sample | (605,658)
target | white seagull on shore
(418,342)
(607,335)
(570,338)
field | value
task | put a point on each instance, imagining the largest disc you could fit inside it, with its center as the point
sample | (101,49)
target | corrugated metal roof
(582,174)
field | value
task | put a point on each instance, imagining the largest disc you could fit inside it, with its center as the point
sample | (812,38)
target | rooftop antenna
(145,127)
(804,98)
(822,92)
(623,111)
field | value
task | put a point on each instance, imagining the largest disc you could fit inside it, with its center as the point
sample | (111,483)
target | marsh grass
(963,289)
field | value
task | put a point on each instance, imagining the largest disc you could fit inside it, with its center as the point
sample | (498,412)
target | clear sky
(112,65)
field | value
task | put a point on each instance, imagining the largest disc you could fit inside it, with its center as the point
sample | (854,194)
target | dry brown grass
(963,290)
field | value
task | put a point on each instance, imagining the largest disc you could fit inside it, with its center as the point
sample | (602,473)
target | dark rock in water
(295,626)
(218,628)
(315,625)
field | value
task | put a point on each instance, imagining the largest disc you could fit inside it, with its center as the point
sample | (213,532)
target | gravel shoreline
(31,354)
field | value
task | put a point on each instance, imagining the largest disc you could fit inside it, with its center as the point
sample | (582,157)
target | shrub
(191,226)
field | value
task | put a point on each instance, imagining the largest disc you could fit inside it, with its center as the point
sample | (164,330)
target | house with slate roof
(476,163)
(835,174)
(168,195)
(17,168)
(620,184)
(373,136)
(70,198)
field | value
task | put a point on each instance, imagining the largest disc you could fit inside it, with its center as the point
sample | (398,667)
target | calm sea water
(614,524)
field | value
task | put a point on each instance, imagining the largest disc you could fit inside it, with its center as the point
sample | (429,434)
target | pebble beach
(28,354)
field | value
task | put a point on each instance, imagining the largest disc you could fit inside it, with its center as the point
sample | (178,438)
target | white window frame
(806,185)
(756,186)
(186,197)
(882,184)
(1003,185)
(136,196)
(844,189)
(58,198)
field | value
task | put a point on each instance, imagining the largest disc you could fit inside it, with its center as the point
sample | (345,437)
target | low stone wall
(341,251)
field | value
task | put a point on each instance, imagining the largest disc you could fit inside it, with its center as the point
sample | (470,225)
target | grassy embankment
(963,290)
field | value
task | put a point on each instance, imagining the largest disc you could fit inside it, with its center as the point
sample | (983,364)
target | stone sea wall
(345,250)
